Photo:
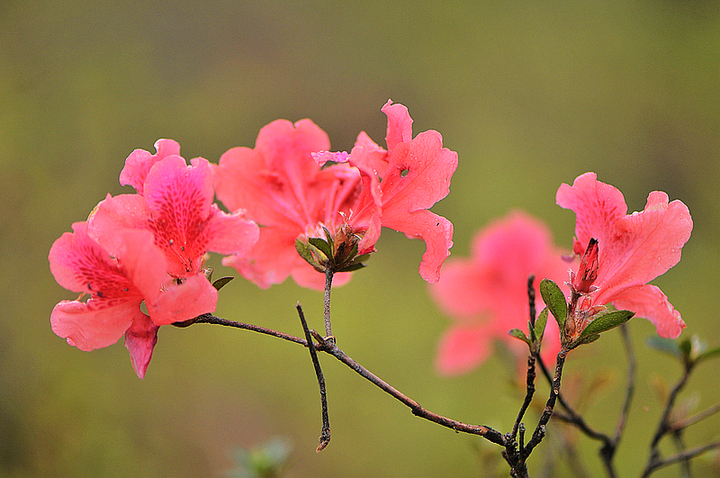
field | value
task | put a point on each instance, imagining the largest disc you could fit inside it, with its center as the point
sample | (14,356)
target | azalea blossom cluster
(619,255)
(138,260)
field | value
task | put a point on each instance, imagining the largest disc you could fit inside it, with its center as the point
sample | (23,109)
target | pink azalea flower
(631,251)
(175,203)
(400,185)
(285,191)
(117,285)
(486,294)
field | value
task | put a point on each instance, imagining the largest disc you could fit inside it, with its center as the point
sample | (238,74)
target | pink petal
(230,233)
(419,173)
(648,301)
(459,292)
(142,262)
(271,260)
(140,340)
(194,297)
(597,206)
(126,211)
(95,324)
(435,230)
(648,243)
(323,157)
(138,164)
(399,129)
(462,348)
(179,198)
(73,251)
(271,182)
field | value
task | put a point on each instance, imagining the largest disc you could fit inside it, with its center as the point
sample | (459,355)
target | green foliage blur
(530,94)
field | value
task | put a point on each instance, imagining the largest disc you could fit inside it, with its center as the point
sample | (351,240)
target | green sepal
(222,282)
(304,251)
(353,266)
(554,300)
(519,334)
(322,246)
(606,322)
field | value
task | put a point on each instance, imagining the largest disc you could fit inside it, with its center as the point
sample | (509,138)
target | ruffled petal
(178,303)
(139,163)
(126,211)
(231,233)
(419,173)
(399,128)
(647,243)
(649,301)
(94,324)
(597,207)
(140,340)
(435,230)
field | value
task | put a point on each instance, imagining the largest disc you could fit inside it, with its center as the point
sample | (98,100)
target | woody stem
(328,287)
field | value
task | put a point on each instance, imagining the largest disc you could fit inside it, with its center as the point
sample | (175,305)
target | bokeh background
(530,94)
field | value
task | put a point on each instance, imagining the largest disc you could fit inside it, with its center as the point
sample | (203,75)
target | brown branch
(325,434)
(328,346)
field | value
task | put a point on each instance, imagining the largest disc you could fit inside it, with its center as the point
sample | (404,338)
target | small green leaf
(606,322)
(322,246)
(555,301)
(540,324)
(586,340)
(353,266)
(668,346)
(519,334)
(222,282)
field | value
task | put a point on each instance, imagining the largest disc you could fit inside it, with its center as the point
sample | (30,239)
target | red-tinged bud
(588,271)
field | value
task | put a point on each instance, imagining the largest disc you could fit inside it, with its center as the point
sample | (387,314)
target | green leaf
(322,246)
(586,340)
(353,266)
(519,334)
(555,301)
(606,322)
(222,282)
(668,346)
(540,324)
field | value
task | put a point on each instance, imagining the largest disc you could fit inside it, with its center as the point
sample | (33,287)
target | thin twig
(211,319)
(681,424)
(328,287)
(686,455)
(530,376)
(490,434)
(329,346)
(325,434)
(539,432)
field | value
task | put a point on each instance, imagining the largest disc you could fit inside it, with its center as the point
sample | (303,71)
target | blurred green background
(530,94)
